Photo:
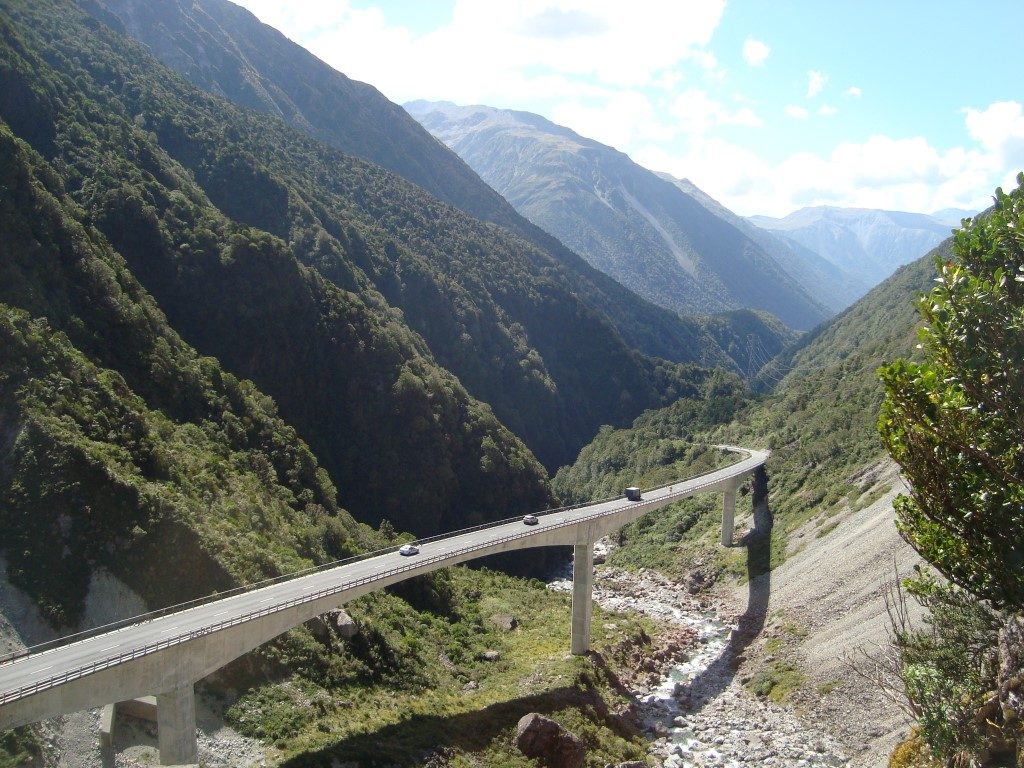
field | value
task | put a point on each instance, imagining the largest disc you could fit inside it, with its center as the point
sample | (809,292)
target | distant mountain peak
(871,243)
(632,224)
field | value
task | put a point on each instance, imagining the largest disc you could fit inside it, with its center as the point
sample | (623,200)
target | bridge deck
(35,673)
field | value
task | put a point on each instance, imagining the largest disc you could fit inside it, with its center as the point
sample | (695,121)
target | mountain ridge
(833,285)
(870,243)
(625,220)
(240,58)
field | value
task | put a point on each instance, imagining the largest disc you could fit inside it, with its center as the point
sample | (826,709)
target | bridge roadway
(168,654)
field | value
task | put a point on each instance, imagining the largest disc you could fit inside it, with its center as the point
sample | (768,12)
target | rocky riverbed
(697,712)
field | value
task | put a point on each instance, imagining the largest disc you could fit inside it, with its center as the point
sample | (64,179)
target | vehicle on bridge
(633,493)
(408,549)
(530,519)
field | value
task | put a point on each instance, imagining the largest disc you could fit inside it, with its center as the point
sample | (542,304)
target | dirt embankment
(826,608)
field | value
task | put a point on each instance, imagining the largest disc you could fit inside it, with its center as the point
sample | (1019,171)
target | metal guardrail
(96,666)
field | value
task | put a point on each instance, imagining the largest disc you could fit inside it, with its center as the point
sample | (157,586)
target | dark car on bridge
(633,493)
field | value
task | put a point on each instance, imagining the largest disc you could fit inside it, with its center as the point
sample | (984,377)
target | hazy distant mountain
(953,216)
(625,220)
(833,286)
(869,243)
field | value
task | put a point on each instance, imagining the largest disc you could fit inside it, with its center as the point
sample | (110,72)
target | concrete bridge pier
(176,726)
(728,515)
(582,596)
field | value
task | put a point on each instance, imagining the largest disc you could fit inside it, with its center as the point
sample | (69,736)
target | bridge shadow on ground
(408,742)
(709,683)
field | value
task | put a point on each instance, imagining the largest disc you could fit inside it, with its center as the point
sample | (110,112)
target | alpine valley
(256,318)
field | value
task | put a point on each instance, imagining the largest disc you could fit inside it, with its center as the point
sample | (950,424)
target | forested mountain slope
(622,218)
(224,49)
(170,174)
(399,435)
(118,442)
(819,420)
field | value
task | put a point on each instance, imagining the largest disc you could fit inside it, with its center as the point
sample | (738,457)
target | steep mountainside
(224,49)
(831,285)
(171,175)
(819,420)
(868,243)
(118,441)
(400,435)
(625,220)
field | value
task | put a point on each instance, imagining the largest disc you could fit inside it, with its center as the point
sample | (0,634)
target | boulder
(543,739)
(490,655)
(344,626)
(504,621)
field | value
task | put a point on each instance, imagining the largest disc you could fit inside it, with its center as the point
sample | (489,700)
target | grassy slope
(384,698)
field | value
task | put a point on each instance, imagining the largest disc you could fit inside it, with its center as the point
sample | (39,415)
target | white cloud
(903,174)
(755,52)
(696,112)
(492,52)
(854,92)
(827,110)
(618,120)
(799,113)
(999,129)
(815,83)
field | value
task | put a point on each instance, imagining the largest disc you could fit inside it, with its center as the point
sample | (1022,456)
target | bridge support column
(176,726)
(728,513)
(582,596)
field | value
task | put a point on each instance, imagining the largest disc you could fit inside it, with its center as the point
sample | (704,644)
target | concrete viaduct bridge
(167,653)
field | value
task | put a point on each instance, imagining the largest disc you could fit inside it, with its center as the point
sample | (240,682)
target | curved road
(35,674)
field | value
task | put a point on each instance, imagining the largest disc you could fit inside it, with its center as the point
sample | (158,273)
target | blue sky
(767,106)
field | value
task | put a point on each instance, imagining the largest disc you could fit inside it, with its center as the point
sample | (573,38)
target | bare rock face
(542,738)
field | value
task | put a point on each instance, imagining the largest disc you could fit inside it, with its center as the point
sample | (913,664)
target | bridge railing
(120,658)
(419,563)
(269,582)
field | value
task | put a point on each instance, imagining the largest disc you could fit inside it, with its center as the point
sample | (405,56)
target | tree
(955,422)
